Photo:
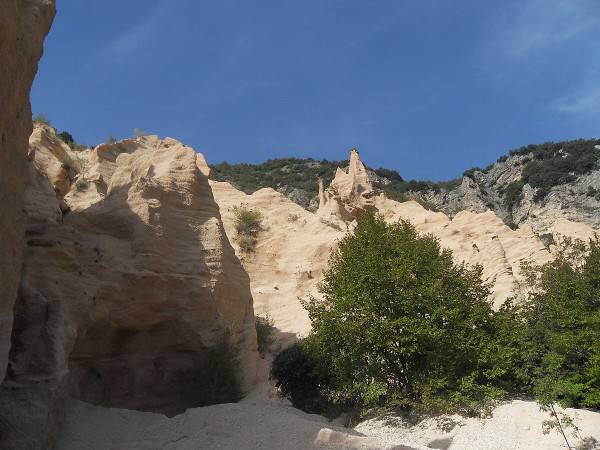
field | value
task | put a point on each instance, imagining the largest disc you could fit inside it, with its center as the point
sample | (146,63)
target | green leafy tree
(561,347)
(400,322)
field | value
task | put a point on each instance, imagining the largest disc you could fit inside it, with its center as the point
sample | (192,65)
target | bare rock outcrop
(23,26)
(350,192)
(486,189)
(131,295)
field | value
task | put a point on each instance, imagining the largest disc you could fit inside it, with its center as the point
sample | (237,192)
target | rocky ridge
(502,187)
(488,189)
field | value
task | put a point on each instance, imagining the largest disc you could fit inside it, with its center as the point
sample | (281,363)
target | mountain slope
(536,184)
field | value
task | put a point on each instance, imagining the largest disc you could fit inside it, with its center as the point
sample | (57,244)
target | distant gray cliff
(511,188)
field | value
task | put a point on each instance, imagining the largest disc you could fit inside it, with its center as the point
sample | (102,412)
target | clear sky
(426,87)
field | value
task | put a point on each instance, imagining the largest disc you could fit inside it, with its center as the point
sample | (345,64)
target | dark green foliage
(552,164)
(298,377)
(217,381)
(400,191)
(400,320)
(400,324)
(544,166)
(264,333)
(557,163)
(561,328)
(67,138)
(303,174)
(593,192)
(513,194)
(391,175)
(469,173)
(275,173)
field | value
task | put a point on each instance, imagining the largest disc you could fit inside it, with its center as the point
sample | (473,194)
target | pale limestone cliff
(350,192)
(23,26)
(130,290)
(291,253)
(294,247)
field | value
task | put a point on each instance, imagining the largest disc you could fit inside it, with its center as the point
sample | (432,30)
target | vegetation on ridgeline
(65,136)
(558,163)
(41,119)
(548,165)
(299,177)
(401,325)
(543,167)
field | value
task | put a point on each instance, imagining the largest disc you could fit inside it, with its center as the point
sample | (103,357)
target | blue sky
(426,87)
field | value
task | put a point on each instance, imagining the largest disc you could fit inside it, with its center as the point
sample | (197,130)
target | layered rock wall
(23,26)
(131,295)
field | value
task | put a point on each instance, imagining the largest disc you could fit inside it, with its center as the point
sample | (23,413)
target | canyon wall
(23,26)
(131,295)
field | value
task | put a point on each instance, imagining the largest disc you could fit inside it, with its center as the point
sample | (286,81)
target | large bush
(401,323)
(560,343)
(248,223)
(298,377)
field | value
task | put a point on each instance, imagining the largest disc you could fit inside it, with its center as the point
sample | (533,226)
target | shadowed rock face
(23,26)
(130,296)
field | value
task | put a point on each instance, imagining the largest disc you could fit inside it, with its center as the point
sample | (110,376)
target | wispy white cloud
(541,24)
(586,101)
(535,40)
(140,35)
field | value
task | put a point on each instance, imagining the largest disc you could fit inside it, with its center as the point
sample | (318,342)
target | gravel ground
(513,426)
